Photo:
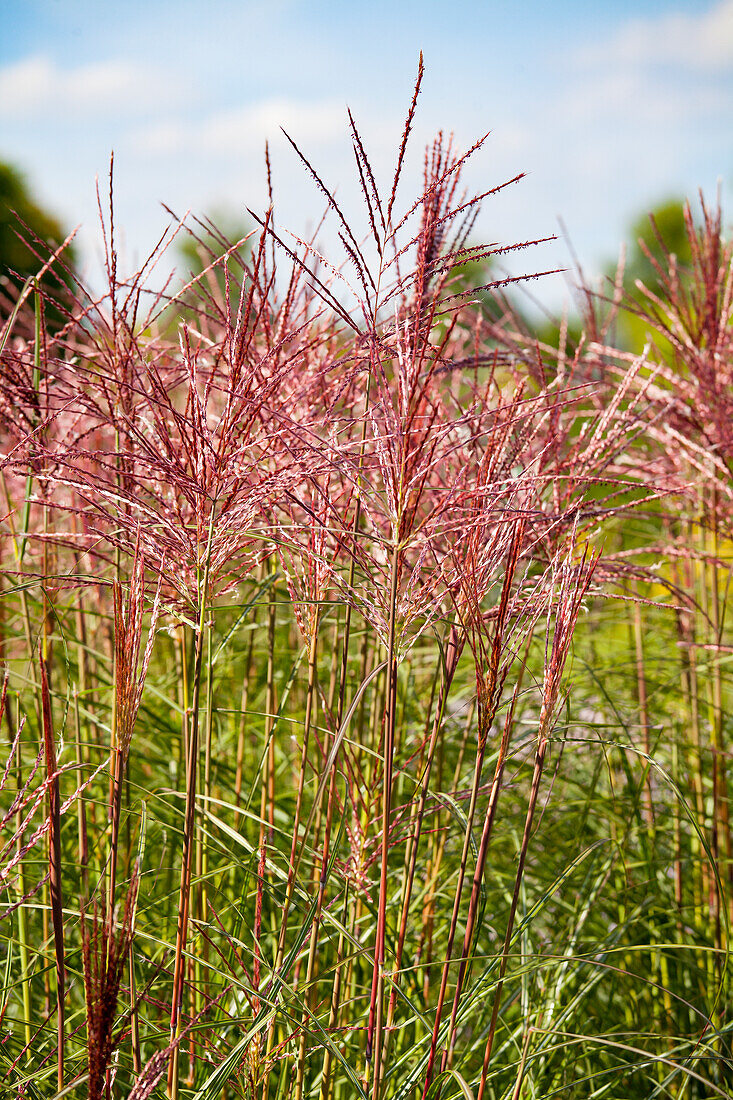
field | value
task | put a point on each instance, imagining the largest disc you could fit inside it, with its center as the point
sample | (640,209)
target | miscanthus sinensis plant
(293,559)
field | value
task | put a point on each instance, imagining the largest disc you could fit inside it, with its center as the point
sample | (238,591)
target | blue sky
(609,108)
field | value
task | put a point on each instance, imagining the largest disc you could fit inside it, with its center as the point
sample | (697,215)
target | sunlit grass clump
(366,674)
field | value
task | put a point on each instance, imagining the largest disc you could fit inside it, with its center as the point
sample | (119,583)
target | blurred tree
(28,234)
(206,243)
(654,238)
(664,230)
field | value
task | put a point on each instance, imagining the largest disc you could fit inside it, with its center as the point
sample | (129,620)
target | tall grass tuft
(383,662)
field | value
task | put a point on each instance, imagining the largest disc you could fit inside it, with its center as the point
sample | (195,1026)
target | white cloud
(38,87)
(312,123)
(635,108)
(162,139)
(245,129)
(699,42)
(617,96)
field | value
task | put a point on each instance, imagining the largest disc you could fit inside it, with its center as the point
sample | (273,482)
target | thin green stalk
(689,755)
(489,684)
(83,845)
(333,1014)
(22,925)
(54,844)
(295,849)
(184,899)
(374,1029)
(688,635)
(335,1005)
(467,838)
(115,809)
(313,941)
(19,549)
(319,882)
(204,847)
(267,807)
(434,862)
(452,654)
(712,923)
(516,1094)
(721,809)
(200,966)
(539,763)
(239,772)
(489,819)
(641,695)
(182,679)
